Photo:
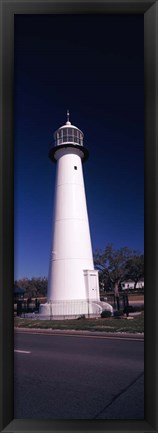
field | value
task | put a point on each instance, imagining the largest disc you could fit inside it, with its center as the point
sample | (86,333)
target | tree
(35,287)
(134,269)
(113,265)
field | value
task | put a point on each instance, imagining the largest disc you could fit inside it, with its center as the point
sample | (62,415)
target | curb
(73,332)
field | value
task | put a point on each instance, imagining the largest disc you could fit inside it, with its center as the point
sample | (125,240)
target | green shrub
(133,309)
(106,313)
(138,308)
(81,317)
(118,313)
(128,309)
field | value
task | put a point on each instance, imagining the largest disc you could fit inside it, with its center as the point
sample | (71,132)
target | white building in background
(73,285)
(127,285)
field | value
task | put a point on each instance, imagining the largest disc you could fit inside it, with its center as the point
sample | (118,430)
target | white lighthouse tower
(73,287)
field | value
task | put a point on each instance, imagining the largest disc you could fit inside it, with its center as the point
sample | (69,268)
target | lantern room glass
(68,135)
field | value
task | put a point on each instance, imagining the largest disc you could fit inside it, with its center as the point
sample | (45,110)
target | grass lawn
(136,324)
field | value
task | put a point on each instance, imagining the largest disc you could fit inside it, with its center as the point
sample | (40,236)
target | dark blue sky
(94,66)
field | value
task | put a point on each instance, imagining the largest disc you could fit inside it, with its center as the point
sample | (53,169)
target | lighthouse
(73,284)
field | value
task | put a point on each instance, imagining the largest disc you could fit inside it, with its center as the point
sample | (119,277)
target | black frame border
(7,11)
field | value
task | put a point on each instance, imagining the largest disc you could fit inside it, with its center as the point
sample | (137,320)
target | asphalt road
(78,377)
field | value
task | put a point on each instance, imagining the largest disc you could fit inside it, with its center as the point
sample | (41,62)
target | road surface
(78,377)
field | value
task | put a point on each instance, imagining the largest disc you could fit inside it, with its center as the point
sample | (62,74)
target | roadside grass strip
(109,324)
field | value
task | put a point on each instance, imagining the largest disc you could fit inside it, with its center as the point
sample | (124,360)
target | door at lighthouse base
(92,285)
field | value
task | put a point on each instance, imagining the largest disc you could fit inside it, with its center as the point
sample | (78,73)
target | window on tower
(65,134)
(70,138)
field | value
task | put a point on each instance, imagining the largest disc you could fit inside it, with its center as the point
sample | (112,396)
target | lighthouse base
(73,309)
